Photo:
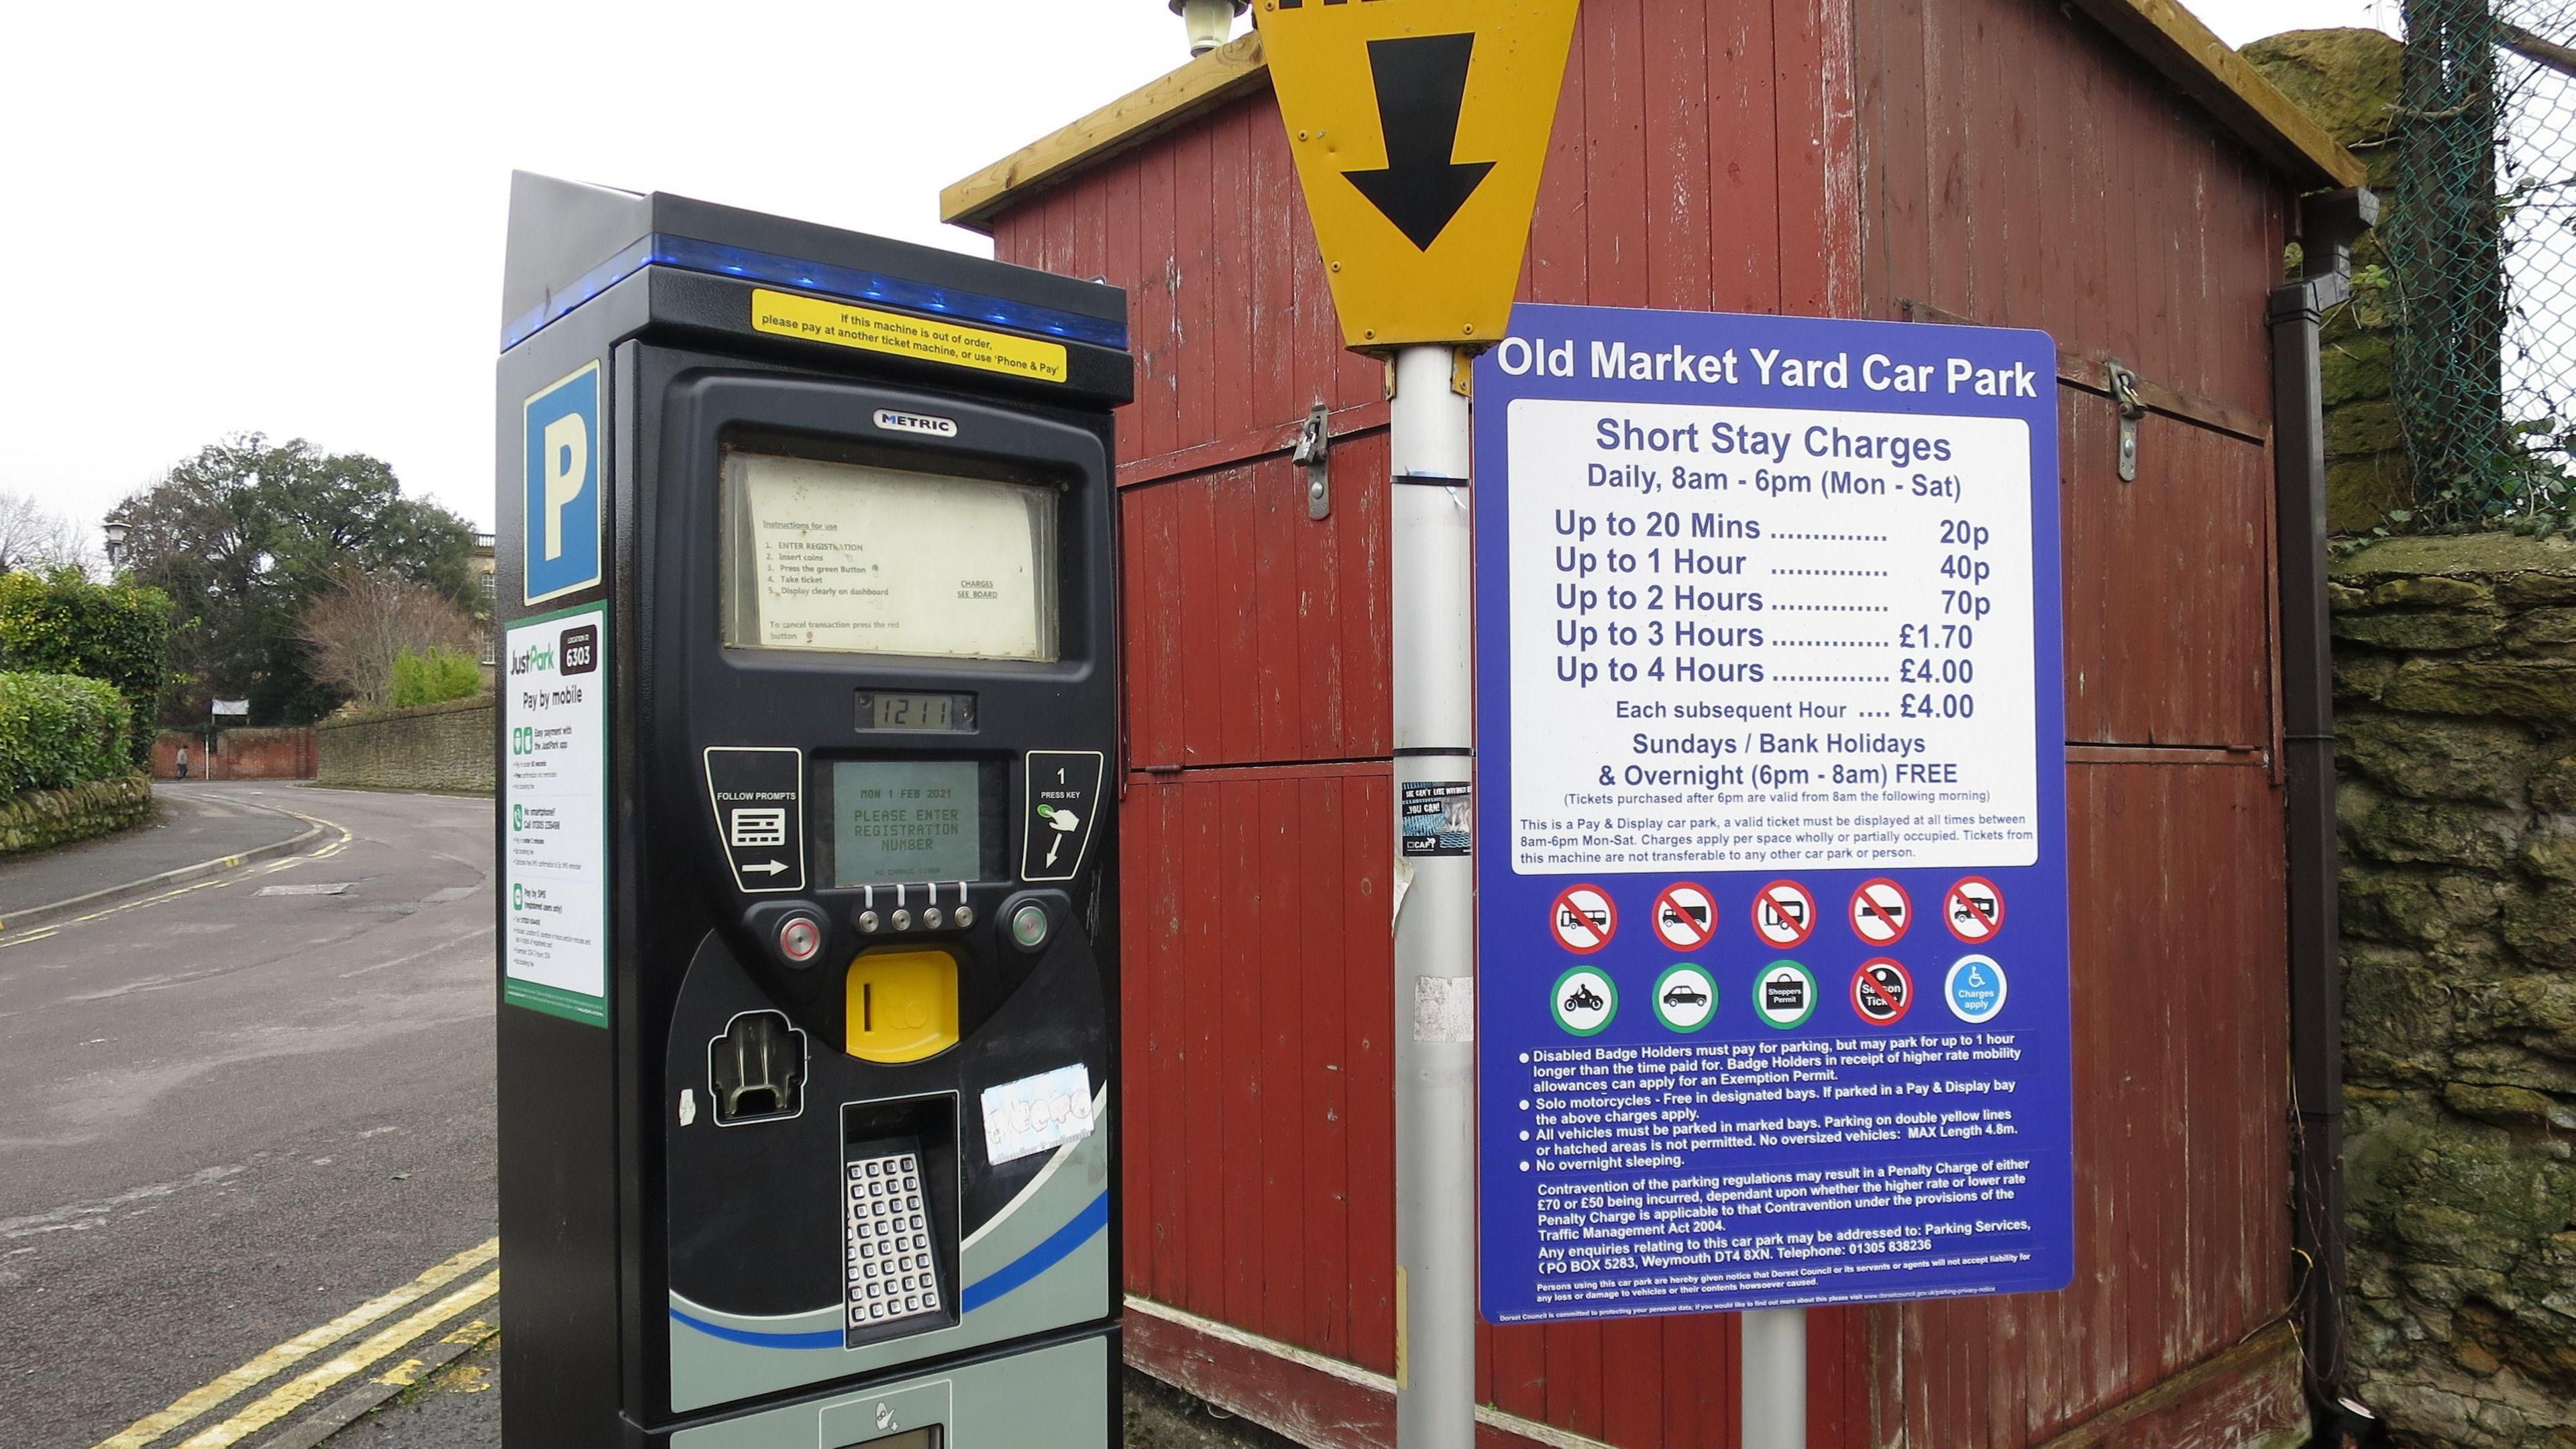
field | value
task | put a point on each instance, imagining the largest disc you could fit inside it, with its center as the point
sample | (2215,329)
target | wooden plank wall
(1731,155)
(2019,169)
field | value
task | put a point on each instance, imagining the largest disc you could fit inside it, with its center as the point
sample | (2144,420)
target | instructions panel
(1772,929)
(554,805)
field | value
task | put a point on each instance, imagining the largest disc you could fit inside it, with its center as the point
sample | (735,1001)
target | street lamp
(1209,21)
(114,533)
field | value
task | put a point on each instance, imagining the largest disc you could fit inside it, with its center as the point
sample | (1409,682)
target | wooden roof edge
(2225,84)
(1129,121)
(2161,32)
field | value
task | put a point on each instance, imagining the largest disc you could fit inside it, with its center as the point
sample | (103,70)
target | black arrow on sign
(1421,87)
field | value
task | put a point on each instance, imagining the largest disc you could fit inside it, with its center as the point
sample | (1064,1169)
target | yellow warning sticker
(845,324)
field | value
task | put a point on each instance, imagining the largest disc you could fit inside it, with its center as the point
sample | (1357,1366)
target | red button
(800,940)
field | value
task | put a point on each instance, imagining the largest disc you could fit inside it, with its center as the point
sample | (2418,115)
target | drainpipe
(2328,223)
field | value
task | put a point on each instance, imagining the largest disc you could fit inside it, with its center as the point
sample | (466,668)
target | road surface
(243,1115)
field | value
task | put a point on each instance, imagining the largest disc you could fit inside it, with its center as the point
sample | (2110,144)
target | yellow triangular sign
(1420,128)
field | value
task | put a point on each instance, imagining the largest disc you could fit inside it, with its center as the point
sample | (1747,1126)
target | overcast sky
(288,218)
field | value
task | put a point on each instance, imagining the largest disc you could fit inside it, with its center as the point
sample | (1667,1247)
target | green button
(1029,924)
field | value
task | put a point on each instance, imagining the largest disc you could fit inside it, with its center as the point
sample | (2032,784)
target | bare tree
(32,538)
(359,626)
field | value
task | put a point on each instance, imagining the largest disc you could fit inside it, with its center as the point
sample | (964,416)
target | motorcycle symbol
(1584,998)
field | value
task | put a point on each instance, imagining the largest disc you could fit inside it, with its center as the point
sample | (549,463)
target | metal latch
(1313,453)
(2124,391)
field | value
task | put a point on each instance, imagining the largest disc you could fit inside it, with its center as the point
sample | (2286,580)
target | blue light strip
(859,286)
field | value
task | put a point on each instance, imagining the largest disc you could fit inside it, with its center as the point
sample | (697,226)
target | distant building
(487,579)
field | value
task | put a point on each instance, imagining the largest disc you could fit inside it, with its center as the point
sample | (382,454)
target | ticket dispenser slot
(851,1105)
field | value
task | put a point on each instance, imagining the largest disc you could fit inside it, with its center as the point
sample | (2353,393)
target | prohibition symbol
(1583,919)
(1880,911)
(1974,910)
(1784,914)
(1882,991)
(1685,915)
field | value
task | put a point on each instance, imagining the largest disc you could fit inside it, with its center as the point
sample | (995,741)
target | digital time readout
(933,713)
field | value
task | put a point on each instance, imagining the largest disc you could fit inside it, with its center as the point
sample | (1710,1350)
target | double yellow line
(296,1392)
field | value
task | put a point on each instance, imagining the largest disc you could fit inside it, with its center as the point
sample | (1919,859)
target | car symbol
(1583,998)
(1685,994)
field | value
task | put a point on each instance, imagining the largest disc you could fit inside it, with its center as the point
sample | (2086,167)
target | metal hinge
(1314,454)
(2123,385)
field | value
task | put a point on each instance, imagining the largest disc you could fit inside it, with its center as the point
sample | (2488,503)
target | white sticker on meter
(1037,1114)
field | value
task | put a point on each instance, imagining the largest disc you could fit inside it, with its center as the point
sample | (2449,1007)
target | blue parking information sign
(562,484)
(1771,860)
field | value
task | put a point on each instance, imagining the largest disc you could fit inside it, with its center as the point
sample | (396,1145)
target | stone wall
(434,747)
(43,819)
(2456,693)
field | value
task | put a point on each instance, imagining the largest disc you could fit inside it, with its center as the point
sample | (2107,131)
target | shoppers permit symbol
(1685,915)
(1784,914)
(1880,911)
(1584,919)
(1974,910)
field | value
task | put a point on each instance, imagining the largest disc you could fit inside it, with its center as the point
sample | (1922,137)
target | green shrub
(61,623)
(58,730)
(435,677)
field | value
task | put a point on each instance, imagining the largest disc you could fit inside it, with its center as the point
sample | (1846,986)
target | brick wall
(242,754)
(435,747)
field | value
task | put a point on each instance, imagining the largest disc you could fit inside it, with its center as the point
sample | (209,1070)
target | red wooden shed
(2105,170)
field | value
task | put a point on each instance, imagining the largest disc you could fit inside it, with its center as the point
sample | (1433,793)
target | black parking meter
(808,985)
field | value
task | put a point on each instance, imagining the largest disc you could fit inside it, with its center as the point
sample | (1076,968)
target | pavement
(247,1175)
(190,823)
(248,1117)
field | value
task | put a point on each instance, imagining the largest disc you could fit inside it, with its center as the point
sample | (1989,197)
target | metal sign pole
(1775,1378)
(1435,924)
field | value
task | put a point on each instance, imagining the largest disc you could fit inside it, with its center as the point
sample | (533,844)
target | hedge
(61,623)
(59,730)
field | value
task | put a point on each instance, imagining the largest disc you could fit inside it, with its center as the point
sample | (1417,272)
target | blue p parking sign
(561,521)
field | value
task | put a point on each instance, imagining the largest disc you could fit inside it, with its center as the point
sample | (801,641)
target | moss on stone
(2430,629)
(2346,79)
(2429,759)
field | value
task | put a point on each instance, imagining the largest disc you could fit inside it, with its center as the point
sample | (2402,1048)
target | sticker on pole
(1974,910)
(1685,915)
(1975,988)
(1784,914)
(1880,912)
(1882,991)
(1784,995)
(1685,998)
(1585,1000)
(1583,919)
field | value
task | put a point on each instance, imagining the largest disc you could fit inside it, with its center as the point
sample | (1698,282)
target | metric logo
(1583,918)
(1784,995)
(1685,916)
(1584,1001)
(1974,910)
(1882,991)
(1880,911)
(1975,989)
(1685,998)
(1784,914)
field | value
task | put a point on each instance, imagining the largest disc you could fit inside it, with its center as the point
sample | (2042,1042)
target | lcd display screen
(857,558)
(906,820)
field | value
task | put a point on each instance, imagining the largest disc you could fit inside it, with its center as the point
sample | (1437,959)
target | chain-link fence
(2480,239)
